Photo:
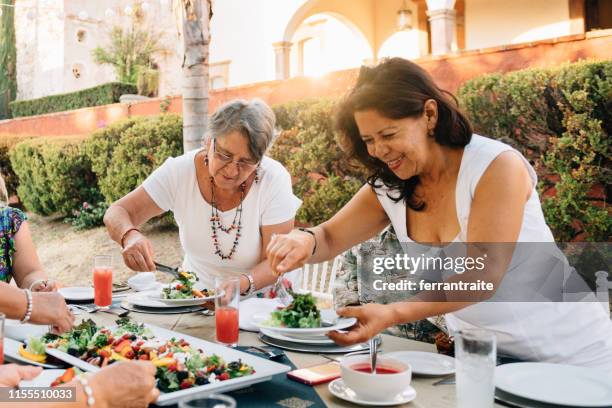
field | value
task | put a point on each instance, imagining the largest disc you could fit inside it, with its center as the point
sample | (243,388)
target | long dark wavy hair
(398,88)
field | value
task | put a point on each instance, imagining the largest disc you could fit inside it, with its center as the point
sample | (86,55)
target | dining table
(202,325)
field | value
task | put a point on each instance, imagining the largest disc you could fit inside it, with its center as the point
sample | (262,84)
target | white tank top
(559,332)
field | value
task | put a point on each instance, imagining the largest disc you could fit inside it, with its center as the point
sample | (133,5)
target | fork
(271,354)
(88,309)
(282,294)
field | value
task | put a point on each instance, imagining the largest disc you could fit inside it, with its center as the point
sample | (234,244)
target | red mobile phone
(315,375)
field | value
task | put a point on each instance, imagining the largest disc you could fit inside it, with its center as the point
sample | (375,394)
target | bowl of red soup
(391,377)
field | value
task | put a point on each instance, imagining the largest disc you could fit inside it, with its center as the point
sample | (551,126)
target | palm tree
(195,22)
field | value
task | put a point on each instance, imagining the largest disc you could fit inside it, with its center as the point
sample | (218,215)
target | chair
(318,279)
(603,287)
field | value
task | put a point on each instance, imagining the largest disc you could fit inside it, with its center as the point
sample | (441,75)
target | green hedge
(55,175)
(125,153)
(8,57)
(561,120)
(323,178)
(7,142)
(98,95)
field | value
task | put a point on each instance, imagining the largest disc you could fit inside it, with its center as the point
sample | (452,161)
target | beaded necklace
(215,221)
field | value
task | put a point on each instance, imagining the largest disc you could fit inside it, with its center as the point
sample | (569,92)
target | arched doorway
(326,42)
(403,44)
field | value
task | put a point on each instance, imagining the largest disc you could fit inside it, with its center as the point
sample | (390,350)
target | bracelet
(125,234)
(28,313)
(87,389)
(306,230)
(36,282)
(251,288)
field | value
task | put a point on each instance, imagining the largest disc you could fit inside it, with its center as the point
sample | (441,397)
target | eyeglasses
(242,165)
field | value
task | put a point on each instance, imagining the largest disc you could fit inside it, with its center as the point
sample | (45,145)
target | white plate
(11,350)
(183,302)
(77,293)
(145,299)
(340,390)
(424,363)
(254,305)
(341,323)
(264,369)
(15,330)
(324,340)
(44,379)
(556,384)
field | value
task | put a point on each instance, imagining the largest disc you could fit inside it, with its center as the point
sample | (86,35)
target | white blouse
(559,332)
(174,187)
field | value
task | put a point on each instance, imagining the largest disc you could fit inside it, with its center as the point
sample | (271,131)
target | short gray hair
(252,118)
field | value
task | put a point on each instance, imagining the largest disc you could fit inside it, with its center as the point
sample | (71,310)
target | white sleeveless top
(558,332)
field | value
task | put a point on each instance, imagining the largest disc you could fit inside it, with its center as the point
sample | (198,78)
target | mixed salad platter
(185,365)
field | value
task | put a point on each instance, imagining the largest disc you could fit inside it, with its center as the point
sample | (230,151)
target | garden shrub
(98,95)
(324,178)
(55,175)
(581,155)
(325,198)
(102,143)
(7,142)
(561,120)
(124,154)
(88,216)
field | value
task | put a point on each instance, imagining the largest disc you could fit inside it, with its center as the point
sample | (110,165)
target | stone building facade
(261,40)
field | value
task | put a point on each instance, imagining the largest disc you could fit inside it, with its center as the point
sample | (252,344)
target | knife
(166,269)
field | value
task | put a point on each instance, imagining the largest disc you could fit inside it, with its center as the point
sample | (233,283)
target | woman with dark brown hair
(436,182)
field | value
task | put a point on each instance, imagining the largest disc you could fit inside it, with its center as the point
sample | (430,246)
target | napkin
(144,281)
(254,305)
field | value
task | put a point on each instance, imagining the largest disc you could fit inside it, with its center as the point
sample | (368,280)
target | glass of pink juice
(103,280)
(227,292)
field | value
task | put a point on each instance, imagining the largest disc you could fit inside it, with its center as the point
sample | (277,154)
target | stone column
(282,61)
(442,25)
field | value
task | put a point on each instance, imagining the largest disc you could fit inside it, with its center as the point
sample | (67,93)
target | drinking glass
(475,356)
(210,401)
(2,317)
(227,297)
(103,280)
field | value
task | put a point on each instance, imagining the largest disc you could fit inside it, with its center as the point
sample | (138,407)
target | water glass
(2,317)
(103,280)
(227,297)
(475,356)
(210,401)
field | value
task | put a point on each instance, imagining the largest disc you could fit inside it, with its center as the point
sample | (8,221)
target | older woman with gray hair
(227,198)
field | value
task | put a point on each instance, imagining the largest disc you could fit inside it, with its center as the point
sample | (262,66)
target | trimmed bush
(324,178)
(7,142)
(325,198)
(561,120)
(54,175)
(124,154)
(98,95)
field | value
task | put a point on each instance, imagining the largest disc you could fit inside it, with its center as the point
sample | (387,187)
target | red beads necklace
(216,225)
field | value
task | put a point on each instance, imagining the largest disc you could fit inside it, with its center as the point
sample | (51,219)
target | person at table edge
(35,298)
(437,182)
(227,198)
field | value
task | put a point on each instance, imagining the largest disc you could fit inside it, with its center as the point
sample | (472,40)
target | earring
(430,132)
(257,175)
(206,160)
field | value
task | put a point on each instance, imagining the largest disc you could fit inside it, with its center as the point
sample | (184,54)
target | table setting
(273,338)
